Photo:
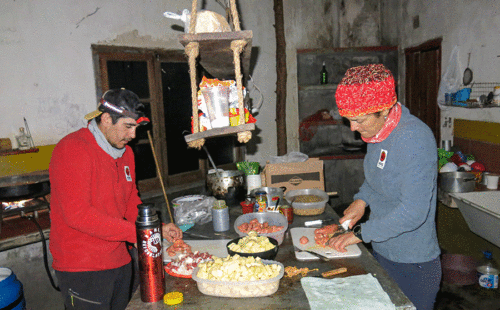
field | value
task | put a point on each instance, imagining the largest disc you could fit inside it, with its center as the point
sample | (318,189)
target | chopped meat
(323,234)
(263,228)
(179,246)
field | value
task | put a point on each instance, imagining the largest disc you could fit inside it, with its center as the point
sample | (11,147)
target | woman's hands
(354,212)
(171,232)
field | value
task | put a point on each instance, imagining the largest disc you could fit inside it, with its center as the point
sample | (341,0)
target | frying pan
(24,186)
(468,76)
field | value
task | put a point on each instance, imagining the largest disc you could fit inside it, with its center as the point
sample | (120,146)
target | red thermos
(149,238)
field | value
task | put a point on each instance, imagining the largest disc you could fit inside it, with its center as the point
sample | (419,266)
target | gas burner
(20,207)
(17,204)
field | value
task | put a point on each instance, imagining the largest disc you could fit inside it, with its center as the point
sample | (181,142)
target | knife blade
(319,222)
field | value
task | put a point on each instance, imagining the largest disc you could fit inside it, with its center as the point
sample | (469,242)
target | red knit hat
(364,90)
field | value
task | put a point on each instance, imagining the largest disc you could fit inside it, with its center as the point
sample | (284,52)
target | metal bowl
(270,254)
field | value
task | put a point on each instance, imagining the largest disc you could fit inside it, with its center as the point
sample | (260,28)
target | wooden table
(290,294)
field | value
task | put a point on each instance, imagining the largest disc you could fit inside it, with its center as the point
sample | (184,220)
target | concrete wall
(473,27)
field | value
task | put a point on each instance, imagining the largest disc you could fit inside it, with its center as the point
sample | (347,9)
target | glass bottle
(323,75)
(22,138)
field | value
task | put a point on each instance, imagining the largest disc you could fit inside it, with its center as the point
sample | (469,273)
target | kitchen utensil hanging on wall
(468,76)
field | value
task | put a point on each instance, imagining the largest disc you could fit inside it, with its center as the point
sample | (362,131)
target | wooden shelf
(216,55)
(17,151)
(219,132)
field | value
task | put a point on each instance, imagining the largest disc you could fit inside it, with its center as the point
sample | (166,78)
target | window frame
(154,57)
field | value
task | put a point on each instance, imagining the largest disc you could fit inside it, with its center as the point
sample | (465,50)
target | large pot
(457,182)
(227,185)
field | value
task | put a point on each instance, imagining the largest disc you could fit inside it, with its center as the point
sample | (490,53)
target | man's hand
(171,232)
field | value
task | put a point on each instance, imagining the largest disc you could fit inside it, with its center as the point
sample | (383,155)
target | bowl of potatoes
(310,201)
(253,245)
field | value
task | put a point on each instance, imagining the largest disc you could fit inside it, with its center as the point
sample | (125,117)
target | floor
(456,238)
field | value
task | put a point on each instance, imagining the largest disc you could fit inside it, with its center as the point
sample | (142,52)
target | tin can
(287,211)
(260,202)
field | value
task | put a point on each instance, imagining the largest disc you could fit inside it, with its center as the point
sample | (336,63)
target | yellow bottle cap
(173,298)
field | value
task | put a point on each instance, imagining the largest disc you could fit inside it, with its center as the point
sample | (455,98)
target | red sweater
(93,205)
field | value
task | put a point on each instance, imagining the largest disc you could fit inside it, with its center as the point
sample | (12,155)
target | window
(161,80)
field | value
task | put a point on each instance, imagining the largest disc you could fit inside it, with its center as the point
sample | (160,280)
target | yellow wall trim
(477,130)
(26,163)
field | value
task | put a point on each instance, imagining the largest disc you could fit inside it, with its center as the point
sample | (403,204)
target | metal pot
(19,187)
(227,185)
(274,195)
(457,182)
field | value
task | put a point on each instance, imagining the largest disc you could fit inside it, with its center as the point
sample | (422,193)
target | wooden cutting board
(298,232)
(214,247)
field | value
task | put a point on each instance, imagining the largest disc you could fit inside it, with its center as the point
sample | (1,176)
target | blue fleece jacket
(401,193)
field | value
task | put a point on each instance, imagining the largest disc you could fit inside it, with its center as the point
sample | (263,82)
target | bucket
(11,291)
(459,269)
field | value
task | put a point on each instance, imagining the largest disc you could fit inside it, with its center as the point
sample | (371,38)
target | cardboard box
(302,175)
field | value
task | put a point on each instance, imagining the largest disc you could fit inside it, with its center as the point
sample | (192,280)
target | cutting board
(214,247)
(298,232)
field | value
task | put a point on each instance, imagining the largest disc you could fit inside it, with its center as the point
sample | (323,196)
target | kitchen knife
(319,222)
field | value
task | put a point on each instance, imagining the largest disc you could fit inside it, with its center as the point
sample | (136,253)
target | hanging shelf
(216,55)
(225,55)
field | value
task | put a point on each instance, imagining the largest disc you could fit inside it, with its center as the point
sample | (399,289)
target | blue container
(11,291)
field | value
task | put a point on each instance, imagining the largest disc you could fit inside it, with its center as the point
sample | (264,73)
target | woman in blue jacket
(400,184)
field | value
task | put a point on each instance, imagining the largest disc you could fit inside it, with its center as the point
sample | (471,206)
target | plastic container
(11,291)
(488,272)
(307,208)
(242,289)
(220,216)
(273,218)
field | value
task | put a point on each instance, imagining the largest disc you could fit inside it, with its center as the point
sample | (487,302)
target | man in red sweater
(94,206)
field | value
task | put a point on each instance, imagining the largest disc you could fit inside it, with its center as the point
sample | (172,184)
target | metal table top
(290,294)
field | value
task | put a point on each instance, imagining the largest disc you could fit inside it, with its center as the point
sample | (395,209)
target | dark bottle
(323,75)
(149,238)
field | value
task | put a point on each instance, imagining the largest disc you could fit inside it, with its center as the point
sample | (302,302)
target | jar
(287,211)
(247,205)
(260,202)
(220,216)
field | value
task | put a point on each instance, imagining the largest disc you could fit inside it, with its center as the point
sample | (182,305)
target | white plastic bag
(451,81)
(206,21)
(194,212)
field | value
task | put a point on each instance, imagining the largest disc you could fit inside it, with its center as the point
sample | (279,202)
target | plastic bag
(292,157)
(206,21)
(451,81)
(194,212)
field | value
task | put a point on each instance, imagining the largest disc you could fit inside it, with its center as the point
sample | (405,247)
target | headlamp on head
(122,99)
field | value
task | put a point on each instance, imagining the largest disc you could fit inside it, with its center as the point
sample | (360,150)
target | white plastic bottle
(488,272)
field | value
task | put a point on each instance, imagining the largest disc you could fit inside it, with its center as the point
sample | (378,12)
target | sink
(481,211)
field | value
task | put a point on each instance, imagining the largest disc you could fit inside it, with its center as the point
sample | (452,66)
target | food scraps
(256,226)
(304,240)
(291,271)
(185,263)
(179,246)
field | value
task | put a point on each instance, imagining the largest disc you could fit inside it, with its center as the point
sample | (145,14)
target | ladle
(211,161)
